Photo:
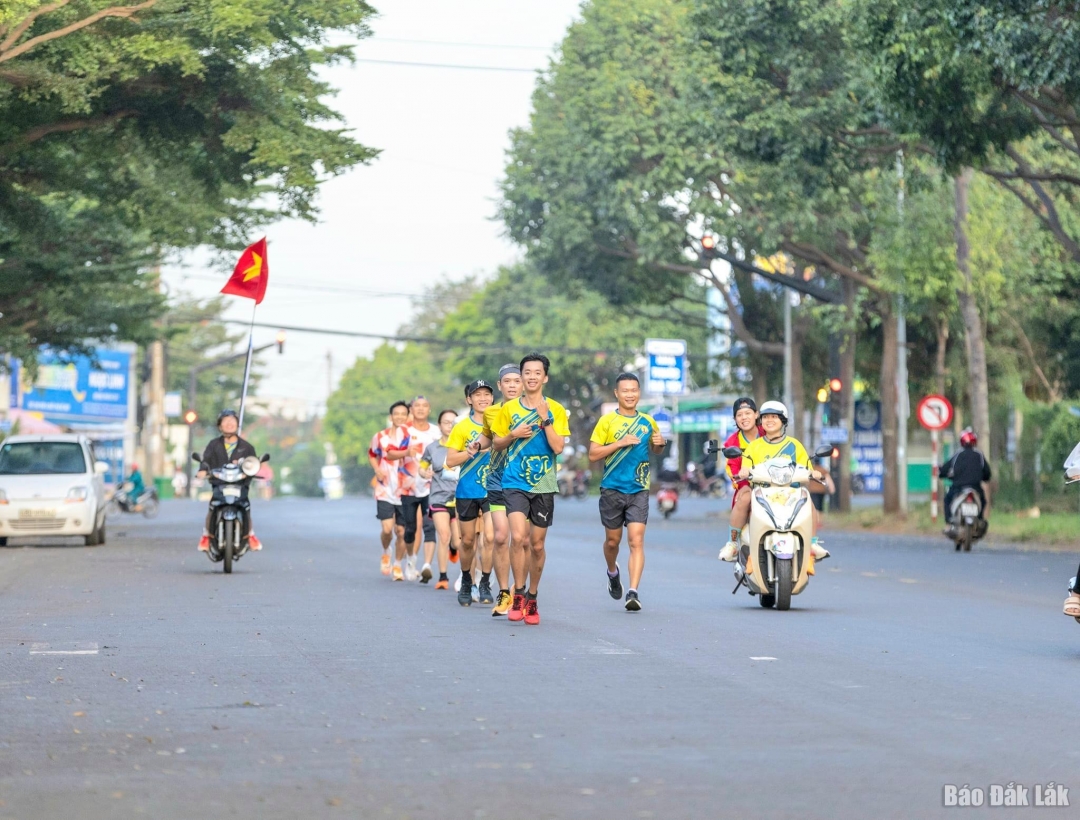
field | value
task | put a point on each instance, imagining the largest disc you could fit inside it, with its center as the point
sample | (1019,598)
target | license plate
(27,513)
(231,492)
(969,509)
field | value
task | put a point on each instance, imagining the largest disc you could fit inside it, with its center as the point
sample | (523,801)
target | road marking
(85,648)
(761,658)
(608,648)
(909,581)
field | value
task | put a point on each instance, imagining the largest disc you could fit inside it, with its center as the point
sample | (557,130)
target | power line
(326,288)
(448,65)
(463,45)
(424,340)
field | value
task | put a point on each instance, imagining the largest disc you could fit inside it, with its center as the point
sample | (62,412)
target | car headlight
(250,466)
(76,494)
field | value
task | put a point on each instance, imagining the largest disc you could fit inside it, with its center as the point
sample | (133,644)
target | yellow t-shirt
(626,470)
(530,462)
(472,481)
(761,450)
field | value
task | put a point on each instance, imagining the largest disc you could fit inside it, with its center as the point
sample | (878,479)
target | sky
(420,213)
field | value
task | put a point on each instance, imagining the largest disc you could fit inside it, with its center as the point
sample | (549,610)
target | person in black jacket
(967,468)
(228,448)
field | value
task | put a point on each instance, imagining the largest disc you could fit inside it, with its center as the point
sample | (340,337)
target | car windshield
(42,458)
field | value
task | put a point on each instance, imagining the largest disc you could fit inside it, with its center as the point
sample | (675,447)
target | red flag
(251,274)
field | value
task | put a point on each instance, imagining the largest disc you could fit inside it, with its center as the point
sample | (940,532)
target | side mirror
(711,446)
(823,450)
(196,457)
(101,467)
(732,452)
(264,459)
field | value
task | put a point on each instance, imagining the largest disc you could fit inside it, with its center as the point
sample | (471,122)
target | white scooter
(774,547)
(1072,475)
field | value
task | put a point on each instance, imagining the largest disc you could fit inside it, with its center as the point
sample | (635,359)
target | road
(308,685)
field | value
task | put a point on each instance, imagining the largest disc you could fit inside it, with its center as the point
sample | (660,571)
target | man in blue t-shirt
(623,440)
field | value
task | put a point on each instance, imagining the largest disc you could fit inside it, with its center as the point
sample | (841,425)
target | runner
(441,500)
(385,456)
(510,386)
(465,450)
(533,430)
(623,440)
(415,491)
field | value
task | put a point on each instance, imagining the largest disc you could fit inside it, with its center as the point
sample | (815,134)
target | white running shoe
(410,569)
(426,574)
(457,584)
(475,594)
(819,552)
(730,552)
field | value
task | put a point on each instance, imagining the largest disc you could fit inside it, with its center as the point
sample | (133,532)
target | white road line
(86,648)
(762,658)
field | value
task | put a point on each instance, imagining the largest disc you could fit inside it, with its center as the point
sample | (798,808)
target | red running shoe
(204,544)
(453,555)
(532,614)
(517,609)
(254,544)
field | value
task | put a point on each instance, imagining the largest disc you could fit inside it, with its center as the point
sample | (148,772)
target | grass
(1049,529)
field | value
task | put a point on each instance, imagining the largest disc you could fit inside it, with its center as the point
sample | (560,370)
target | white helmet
(774,408)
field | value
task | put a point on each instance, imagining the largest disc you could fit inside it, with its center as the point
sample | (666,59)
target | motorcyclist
(967,468)
(228,448)
(774,442)
(746,421)
(137,485)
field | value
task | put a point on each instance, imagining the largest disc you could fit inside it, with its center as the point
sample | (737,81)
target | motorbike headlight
(781,474)
(76,494)
(250,466)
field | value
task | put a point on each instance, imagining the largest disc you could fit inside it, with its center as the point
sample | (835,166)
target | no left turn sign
(935,412)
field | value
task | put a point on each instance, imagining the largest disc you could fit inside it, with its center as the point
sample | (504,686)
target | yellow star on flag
(255,269)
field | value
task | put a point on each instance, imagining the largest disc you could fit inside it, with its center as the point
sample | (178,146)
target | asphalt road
(308,685)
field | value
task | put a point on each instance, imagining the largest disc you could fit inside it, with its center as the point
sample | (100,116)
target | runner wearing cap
(623,440)
(533,430)
(747,429)
(465,447)
(510,386)
(386,456)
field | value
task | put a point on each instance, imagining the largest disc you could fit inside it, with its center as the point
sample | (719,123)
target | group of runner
(481,489)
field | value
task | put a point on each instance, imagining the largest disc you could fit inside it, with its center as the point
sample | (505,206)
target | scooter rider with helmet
(773,418)
(228,448)
(967,468)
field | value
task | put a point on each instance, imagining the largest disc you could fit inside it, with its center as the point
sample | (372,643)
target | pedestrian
(386,456)
(623,440)
(466,451)
(416,489)
(444,482)
(533,430)
(510,387)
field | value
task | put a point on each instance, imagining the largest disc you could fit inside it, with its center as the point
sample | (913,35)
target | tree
(128,129)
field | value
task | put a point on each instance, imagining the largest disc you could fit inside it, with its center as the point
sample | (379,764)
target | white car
(51,486)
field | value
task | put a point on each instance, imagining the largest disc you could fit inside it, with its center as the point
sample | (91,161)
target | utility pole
(329,375)
(155,416)
(788,392)
(903,409)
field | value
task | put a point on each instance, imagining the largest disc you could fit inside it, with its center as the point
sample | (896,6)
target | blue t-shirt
(530,462)
(472,481)
(626,470)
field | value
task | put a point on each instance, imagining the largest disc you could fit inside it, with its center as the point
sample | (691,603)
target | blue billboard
(92,389)
(867,450)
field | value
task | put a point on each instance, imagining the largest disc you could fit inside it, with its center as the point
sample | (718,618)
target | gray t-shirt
(444,479)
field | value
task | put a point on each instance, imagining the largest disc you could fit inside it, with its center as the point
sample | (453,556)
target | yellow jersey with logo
(761,450)
(472,480)
(626,470)
(530,462)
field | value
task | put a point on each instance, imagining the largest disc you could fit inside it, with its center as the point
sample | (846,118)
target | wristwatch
(547,422)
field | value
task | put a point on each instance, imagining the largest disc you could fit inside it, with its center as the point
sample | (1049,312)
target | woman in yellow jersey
(775,442)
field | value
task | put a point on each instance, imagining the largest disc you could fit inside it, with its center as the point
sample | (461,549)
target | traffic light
(281,342)
(190,417)
(822,395)
(708,246)
(835,385)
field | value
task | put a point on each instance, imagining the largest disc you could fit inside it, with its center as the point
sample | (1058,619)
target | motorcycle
(667,498)
(230,509)
(122,502)
(774,546)
(1072,475)
(574,483)
(966,522)
(699,484)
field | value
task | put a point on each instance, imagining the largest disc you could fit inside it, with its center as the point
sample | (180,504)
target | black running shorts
(539,508)
(469,509)
(619,509)
(384,511)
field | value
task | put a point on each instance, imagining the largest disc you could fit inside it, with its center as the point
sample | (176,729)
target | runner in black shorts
(624,440)
(443,486)
(533,431)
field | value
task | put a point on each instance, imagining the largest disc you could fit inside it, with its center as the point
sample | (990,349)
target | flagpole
(247,369)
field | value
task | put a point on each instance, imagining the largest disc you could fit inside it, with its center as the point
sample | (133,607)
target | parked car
(50,485)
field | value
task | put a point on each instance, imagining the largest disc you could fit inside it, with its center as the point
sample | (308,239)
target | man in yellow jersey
(532,430)
(775,442)
(465,449)
(510,386)
(623,440)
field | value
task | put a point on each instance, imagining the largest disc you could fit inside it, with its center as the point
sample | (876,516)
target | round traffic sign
(935,412)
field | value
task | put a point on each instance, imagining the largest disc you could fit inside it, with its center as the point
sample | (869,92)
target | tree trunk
(847,394)
(969,311)
(891,479)
(759,376)
(939,358)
